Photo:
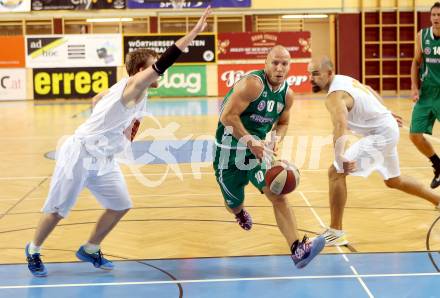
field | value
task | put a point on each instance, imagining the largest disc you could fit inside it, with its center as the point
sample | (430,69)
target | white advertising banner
(12,83)
(15,5)
(73,50)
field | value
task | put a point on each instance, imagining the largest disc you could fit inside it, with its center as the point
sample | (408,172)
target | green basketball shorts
(426,110)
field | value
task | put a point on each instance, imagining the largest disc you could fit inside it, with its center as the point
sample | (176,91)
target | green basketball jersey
(430,68)
(259,116)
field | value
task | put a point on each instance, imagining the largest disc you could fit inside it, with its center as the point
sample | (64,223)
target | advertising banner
(182,80)
(14,55)
(12,83)
(229,74)
(82,82)
(256,45)
(188,3)
(15,5)
(202,48)
(77,4)
(73,50)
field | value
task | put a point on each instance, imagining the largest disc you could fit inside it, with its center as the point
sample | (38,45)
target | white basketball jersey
(367,112)
(103,131)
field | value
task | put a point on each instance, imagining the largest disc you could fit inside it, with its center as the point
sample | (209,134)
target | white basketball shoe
(334,237)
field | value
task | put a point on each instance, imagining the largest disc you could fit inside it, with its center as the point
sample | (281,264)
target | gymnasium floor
(332,275)
(178,241)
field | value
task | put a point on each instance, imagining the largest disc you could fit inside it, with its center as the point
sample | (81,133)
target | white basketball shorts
(109,189)
(375,152)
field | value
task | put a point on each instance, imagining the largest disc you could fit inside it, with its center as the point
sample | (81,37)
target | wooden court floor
(185,218)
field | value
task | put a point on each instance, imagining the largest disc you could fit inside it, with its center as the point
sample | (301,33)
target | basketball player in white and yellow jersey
(86,159)
(357,107)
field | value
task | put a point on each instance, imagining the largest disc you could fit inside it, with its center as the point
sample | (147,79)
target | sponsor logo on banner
(74,50)
(229,74)
(256,45)
(188,3)
(77,4)
(202,48)
(12,83)
(15,5)
(14,55)
(182,81)
(83,82)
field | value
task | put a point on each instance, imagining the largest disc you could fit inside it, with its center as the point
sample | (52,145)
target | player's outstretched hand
(202,23)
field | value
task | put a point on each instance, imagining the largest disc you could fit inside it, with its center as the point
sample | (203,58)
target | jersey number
(260,176)
(436,50)
(270,105)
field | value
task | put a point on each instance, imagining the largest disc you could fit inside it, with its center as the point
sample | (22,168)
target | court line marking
(7,178)
(219,280)
(361,281)
(153,195)
(4,199)
(21,199)
(321,223)
(352,268)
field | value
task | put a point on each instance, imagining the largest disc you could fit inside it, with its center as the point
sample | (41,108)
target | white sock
(91,248)
(337,231)
(33,249)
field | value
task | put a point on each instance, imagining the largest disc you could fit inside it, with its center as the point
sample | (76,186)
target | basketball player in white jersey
(86,159)
(357,107)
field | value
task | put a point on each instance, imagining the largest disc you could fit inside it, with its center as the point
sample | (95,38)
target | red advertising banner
(229,74)
(12,53)
(256,45)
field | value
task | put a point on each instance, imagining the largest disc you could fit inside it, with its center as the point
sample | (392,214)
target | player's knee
(392,182)
(416,138)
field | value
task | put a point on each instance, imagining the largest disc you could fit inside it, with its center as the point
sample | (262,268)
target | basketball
(282,177)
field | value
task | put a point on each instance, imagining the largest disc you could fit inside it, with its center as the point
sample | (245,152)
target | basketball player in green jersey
(426,68)
(256,105)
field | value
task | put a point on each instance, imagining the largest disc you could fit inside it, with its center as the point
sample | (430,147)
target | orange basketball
(282,177)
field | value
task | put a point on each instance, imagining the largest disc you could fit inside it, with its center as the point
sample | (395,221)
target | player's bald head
(321,73)
(278,51)
(277,65)
(322,64)
(326,64)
